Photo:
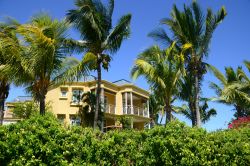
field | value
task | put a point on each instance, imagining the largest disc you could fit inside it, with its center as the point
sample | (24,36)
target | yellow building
(120,98)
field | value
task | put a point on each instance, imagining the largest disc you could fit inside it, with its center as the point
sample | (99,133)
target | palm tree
(9,45)
(234,89)
(190,115)
(162,70)
(42,57)
(192,27)
(156,107)
(99,39)
(87,110)
(186,92)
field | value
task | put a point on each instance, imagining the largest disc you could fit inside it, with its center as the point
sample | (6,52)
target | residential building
(119,98)
(8,114)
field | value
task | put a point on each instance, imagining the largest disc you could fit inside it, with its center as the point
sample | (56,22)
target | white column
(132,123)
(148,107)
(131,102)
(115,104)
(102,100)
(126,103)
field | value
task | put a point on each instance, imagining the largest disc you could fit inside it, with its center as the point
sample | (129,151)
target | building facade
(119,99)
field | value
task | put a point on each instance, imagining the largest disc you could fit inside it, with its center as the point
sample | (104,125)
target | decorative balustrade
(134,110)
(129,110)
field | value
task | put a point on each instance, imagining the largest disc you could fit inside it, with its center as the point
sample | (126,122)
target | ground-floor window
(74,120)
(61,117)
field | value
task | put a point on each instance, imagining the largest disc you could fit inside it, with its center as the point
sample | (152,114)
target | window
(61,117)
(76,95)
(74,120)
(63,93)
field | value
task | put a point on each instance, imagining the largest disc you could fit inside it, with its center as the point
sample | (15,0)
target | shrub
(41,140)
(25,110)
(240,122)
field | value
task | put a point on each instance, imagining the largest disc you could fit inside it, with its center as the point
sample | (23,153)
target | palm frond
(120,32)
(161,36)
(247,64)
(72,70)
(85,19)
(216,87)
(218,74)
(75,46)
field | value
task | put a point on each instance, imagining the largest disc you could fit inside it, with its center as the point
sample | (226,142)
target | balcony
(129,110)
(134,110)
(134,104)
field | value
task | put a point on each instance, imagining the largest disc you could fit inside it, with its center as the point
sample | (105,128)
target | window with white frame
(76,95)
(64,93)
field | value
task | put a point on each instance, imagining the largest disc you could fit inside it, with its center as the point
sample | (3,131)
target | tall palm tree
(163,71)
(42,56)
(191,26)
(234,89)
(9,46)
(185,94)
(156,107)
(99,39)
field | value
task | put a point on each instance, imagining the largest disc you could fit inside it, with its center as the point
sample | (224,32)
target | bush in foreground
(43,141)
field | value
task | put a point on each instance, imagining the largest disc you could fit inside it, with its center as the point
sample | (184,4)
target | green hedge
(43,141)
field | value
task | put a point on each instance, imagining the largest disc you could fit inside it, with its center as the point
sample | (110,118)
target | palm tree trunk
(193,120)
(98,92)
(161,119)
(197,98)
(42,105)
(193,114)
(168,115)
(4,93)
(1,110)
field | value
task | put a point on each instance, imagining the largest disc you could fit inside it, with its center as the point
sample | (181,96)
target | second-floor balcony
(129,110)
(135,110)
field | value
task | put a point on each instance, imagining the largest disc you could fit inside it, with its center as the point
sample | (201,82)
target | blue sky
(229,46)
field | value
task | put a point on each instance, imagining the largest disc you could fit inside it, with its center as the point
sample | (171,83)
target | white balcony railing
(134,110)
(129,110)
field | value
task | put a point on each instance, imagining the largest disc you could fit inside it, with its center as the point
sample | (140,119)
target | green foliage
(234,89)
(24,110)
(87,110)
(41,140)
(126,122)
(163,70)
(192,30)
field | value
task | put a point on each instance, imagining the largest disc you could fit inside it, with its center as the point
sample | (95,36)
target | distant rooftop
(22,98)
(93,78)
(86,79)
(122,82)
